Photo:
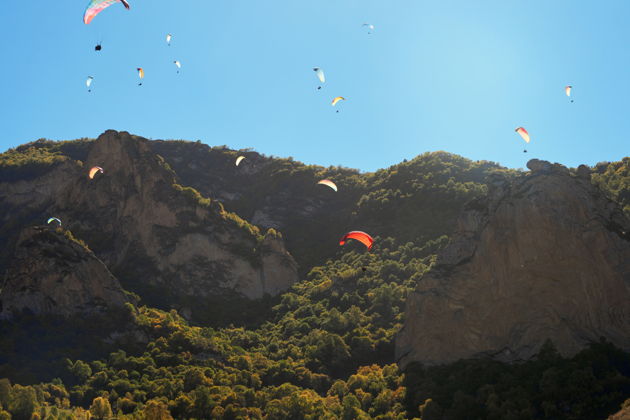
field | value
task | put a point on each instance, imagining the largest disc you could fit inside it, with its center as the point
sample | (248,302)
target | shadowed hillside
(323,347)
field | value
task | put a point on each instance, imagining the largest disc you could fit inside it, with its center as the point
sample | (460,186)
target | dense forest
(322,350)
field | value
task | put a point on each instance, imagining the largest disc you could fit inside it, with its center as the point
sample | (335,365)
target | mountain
(53,273)
(198,247)
(545,256)
(163,241)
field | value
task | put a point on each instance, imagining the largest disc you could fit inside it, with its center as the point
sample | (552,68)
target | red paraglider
(362,237)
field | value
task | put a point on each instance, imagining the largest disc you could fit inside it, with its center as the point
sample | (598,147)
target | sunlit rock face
(160,239)
(544,256)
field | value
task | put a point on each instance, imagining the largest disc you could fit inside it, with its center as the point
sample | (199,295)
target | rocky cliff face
(50,273)
(545,256)
(160,239)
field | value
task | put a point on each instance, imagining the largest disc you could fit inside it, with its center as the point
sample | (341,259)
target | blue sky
(458,76)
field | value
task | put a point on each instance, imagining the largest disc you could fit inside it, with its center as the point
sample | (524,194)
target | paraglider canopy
(140,72)
(239,159)
(94,171)
(362,237)
(328,183)
(337,99)
(567,90)
(168,39)
(53,219)
(523,133)
(320,74)
(95,7)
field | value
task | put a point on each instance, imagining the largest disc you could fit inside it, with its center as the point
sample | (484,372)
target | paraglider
(140,75)
(337,99)
(168,39)
(88,83)
(320,75)
(567,91)
(53,219)
(362,237)
(178,64)
(328,183)
(98,47)
(524,134)
(239,159)
(95,7)
(369,26)
(94,171)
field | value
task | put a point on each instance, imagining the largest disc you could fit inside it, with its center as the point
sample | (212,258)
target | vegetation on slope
(418,200)
(326,352)
(325,349)
(614,179)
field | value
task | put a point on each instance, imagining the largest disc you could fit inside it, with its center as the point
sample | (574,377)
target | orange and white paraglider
(140,74)
(328,183)
(567,91)
(94,171)
(357,235)
(524,135)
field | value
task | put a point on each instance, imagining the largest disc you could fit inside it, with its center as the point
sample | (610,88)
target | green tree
(80,370)
(5,392)
(101,409)
(23,402)
(156,410)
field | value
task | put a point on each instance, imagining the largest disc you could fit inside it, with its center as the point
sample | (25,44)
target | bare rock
(162,240)
(584,172)
(546,256)
(52,274)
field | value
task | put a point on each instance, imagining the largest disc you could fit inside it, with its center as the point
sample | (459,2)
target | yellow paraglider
(337,99)
(239,159)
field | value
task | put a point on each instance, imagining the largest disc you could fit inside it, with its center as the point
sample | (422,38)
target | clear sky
(458,76)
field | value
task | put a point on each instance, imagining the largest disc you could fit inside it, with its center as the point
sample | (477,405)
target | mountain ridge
(325,347)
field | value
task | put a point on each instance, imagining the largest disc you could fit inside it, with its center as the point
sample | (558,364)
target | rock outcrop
(544,256)
(623,414)
(51,273)
(161,240)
